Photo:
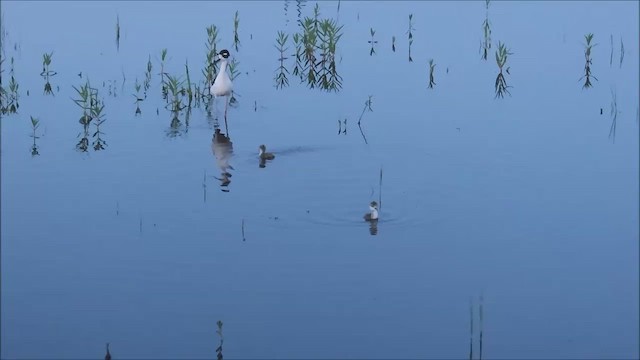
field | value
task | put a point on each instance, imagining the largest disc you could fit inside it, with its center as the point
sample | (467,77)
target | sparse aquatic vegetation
(485,46)
(316,48)
(432,67)
(281,77)
(174,86)
(9,97)
(137,96)
(236,38)
(147,77)
(163,57)
(340,129)
(588,61)
(410,35)
(211,68)
(35,123)
(47,72)
(92,111)
(372,41)
(501,86)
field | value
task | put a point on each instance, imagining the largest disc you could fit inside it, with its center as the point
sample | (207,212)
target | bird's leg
(226,105)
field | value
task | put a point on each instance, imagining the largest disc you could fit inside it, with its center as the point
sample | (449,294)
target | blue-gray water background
(525,200)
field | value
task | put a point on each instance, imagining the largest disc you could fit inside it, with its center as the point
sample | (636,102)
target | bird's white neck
(374,213)
(223,67)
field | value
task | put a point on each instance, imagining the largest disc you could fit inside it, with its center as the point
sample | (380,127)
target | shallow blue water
(525,200)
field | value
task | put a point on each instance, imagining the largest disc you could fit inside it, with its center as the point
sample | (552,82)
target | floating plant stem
(118,32)
(501,86)
(410,35)
(372,41)
(380,191)
(481,325)
(34,126)
(486,29)
(281,77)
(611,58)
(432,67)
(621,51)
(219,332)
(46,72)
(614,115)
(588,61)
(236,38)
(471,329)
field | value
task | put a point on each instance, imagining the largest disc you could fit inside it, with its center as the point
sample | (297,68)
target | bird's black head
(224,53)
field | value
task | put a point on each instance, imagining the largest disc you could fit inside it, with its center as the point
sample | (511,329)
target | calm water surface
(526,201)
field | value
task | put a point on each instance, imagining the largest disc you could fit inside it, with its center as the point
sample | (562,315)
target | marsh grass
(219,332)
(35,123)
(316,47)
(163,57)
(9,97)
(432,67)
(372,42)
(211,68)
(588,45)
(236,38)
(92,111)
(410,35)
(47,72)
(502,55)
(485,45)
(147,76)
(281,79)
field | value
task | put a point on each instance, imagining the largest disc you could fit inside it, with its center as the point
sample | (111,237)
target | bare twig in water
(380,191)
(367,106)
(481,322)
(471,329)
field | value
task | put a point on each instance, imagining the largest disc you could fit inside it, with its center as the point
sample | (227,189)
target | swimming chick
(264,155)
(373,215)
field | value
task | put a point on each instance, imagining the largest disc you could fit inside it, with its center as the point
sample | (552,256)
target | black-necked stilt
(222,85)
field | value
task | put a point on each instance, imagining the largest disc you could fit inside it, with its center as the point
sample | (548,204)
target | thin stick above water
(380,191)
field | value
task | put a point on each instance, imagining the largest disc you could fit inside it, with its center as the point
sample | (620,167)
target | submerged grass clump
(501,86)
(588,62)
